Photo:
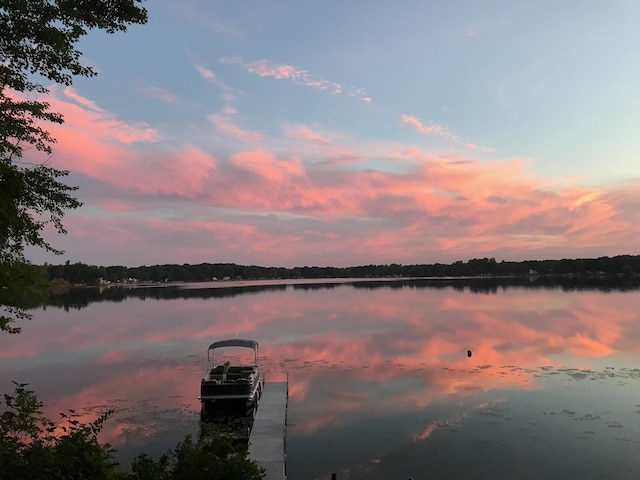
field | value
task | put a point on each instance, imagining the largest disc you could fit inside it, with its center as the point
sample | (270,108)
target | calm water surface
(380,383)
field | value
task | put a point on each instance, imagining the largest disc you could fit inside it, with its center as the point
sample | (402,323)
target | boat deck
(268,440)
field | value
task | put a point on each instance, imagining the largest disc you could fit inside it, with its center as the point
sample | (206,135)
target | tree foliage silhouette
(38,43)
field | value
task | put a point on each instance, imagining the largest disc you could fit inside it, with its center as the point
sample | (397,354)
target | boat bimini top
(233,342)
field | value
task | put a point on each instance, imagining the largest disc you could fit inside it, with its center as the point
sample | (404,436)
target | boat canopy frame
(232,342)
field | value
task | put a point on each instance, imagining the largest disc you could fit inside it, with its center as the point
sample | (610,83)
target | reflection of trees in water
(492,285)
(233,423)
(317,286)
(78,298)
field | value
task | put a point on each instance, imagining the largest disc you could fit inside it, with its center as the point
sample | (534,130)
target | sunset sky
(345,133)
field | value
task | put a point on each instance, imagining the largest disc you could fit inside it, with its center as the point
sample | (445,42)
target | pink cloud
(480,148)
(84,117)
(225,125)
(443,132)
(360,94)
(304,132)
(224,120)
(293,209)
(116,205)
(228,93)
(327,144)
(159,93)
(82,101)
(268,167)
(263,68)
(341,159)
(205,72)
(430,129)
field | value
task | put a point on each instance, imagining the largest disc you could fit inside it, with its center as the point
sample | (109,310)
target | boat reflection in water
(231,422)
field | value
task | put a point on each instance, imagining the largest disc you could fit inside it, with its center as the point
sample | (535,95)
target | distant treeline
(603,267)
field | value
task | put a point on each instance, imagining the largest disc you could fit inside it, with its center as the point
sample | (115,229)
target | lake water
(380,382)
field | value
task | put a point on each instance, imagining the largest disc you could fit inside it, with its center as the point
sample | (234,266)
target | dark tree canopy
(38,41)
(40,36)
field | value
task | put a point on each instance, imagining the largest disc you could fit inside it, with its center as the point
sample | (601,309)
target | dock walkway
(268,439)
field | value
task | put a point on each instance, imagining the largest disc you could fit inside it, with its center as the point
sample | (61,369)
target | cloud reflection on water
(351,354)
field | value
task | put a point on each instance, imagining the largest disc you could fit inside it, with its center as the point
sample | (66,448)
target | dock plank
(267,442)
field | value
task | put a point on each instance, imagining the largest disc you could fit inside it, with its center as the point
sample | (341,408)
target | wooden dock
(268,439)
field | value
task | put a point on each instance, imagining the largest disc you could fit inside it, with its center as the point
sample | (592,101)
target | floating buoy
(469,353)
